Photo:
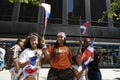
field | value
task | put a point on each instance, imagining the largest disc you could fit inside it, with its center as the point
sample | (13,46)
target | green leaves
(112,12)
(34,2)
(11,1)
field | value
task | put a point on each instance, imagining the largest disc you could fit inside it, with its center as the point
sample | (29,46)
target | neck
(34,48)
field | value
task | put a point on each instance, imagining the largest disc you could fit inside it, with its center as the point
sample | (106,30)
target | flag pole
(45,25)
(80,30)
(80,41)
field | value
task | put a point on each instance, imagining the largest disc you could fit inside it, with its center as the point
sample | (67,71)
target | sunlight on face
(60,39)
(34,42)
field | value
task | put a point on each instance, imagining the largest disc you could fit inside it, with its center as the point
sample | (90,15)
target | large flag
(83,27)
(31,67)
(88,54)
(47,8)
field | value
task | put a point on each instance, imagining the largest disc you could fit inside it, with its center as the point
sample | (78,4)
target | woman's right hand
(43,41)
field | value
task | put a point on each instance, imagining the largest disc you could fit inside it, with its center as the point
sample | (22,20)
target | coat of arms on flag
(83,27)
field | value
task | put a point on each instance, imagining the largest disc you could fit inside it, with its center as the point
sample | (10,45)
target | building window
(56,11)
(6,10)
(28,13)
(97,8)
(110,55)
(76,9)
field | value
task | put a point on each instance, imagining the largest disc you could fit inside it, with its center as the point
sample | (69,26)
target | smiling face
(34,42)
(60,40)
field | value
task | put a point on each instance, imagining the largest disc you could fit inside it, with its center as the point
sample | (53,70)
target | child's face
(34,42)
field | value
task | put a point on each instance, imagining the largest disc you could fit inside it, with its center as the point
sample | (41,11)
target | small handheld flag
(83,27)
(47,8)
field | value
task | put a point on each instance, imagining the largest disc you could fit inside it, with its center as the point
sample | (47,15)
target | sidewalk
(5,74)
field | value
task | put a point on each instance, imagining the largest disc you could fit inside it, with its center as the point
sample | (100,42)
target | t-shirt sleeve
(15,52)
(23,57)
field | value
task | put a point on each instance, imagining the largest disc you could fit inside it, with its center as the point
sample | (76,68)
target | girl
(60,59)
(79,72)
(30,56)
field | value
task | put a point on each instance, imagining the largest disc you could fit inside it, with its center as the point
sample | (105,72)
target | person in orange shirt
(60,59)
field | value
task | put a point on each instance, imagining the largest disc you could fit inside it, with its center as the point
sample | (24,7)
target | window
(76,8)
(97,8)
(110,55)
(28,13)
(6,10)
(56,11)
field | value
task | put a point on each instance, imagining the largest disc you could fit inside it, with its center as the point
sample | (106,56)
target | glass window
(56,11)
(110,55)
(97,8)
(28,13)
(6,10)
(76,8)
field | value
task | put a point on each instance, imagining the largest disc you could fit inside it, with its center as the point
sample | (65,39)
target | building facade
(18,20)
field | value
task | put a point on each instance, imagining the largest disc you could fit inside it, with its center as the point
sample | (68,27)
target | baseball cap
(61,34)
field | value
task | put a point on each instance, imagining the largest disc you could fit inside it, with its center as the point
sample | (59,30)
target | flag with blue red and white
(47,8)
(88,54)
(83,27)
(32,67)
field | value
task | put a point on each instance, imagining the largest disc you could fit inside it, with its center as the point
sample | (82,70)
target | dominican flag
(47,8)
(88,54)
(31,67)
(83,27)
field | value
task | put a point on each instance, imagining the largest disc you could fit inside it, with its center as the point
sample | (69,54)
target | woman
(30,56)
(60,59)
(94,72)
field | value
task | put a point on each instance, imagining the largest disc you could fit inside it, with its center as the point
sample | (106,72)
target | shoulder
(27,50)
(68,48)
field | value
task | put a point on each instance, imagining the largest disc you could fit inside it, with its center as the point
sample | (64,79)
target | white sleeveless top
(79,68)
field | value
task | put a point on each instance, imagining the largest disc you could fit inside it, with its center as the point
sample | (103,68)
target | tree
(34,2)
(114,11)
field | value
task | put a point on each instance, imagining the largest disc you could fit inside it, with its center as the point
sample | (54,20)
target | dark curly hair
(27,41)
